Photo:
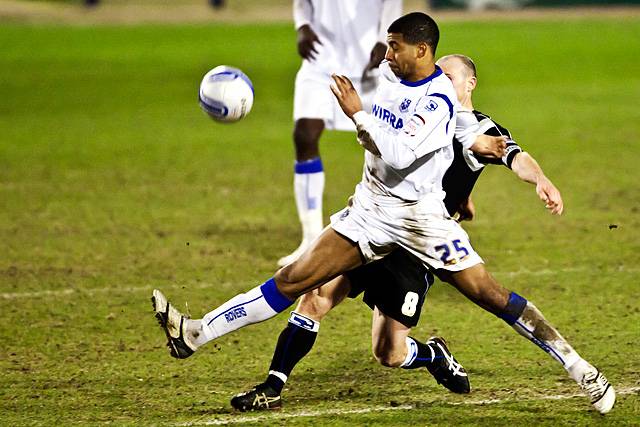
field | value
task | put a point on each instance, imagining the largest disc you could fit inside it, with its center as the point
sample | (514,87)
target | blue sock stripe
(274,298)
(540,344)
(514,308)
(233,308)
(428,359)
(309,166)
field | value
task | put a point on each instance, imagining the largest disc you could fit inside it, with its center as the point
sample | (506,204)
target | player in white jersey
(397,204)
(334,36)
(397,285)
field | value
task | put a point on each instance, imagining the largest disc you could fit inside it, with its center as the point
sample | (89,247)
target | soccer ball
(226,94)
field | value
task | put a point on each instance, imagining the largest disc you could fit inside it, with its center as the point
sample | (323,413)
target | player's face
(463,83)
(402,56)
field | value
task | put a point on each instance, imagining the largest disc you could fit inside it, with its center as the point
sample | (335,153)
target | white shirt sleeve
(302,13)
(413,141)
(391,10)
(467,128)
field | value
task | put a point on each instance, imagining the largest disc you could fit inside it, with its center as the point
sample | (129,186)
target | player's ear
(472,82)
(422,50)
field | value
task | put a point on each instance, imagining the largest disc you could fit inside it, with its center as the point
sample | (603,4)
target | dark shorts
(397,284)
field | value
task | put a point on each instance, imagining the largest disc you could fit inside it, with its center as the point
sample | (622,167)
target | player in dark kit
(397,284)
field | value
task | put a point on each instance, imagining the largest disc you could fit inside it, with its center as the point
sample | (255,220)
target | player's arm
(307,38)
(398,150)
(391,10)
(471,134)
(528,170)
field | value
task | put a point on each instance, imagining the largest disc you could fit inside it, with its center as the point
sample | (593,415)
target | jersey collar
(435,74)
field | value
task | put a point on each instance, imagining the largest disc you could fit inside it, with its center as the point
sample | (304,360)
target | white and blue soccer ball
(226,94)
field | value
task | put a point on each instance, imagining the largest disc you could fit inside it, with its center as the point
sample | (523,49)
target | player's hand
(376,56)
(307,38)
(550,195)
(346,95)
(466,210)
(490,146)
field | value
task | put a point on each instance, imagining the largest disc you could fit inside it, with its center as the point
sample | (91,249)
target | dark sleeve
(512,147)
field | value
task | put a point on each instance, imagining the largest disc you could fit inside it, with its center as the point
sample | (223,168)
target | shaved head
(469,65)
(462,72)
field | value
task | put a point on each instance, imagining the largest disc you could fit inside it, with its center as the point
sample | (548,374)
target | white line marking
(273,416)
(131,289)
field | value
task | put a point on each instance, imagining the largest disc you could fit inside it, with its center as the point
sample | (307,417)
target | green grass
(112,182)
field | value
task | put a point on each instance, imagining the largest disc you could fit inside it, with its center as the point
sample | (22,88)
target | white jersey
(347,29)
(410,130)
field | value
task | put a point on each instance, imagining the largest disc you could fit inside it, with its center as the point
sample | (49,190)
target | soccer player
(398,203)
(397,284)
(344,37)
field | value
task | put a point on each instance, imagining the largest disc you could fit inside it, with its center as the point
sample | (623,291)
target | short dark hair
(417,27)
(466,61)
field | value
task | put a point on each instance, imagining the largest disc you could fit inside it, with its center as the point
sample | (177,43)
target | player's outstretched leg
(525,318)
(185,335)
(329,256)
(528,321)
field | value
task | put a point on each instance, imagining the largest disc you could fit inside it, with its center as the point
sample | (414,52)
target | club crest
(404,107)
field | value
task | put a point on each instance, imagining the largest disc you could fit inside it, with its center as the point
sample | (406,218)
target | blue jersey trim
(426,80)
(449,104)
(274,298)
(309,166)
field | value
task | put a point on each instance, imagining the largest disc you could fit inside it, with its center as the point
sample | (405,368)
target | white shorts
(313,99)
(379,225)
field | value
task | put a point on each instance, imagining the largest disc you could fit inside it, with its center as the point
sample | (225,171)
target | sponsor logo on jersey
(414,125)
(404,107)
(431,106)
(234,314)
(387,116)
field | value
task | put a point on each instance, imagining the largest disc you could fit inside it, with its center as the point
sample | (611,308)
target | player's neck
(422,72)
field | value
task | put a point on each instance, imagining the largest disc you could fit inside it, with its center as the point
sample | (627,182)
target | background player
(396,286)
(334,36)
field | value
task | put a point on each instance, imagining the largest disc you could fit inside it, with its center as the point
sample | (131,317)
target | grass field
(112,182)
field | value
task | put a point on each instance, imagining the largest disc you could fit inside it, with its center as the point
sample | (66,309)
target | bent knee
(388,357)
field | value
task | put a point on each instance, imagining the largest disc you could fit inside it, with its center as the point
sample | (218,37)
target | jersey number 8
(410,303)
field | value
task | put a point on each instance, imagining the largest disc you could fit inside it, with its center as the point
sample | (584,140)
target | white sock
(532,325)
(259,304)
(308,187)
(412,352)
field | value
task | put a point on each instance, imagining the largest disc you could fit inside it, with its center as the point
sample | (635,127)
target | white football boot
(174,325)
(596,385)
